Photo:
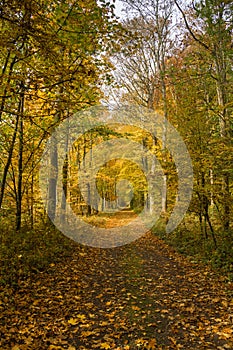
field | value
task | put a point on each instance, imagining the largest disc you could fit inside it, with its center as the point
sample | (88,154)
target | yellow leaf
(191,309)
(151,344)
(73,321)
(136,308)
(99,296)
(172,340)
(82,254)
(225,303)
(87,333)
(81,317)
(140,341)
(105,346)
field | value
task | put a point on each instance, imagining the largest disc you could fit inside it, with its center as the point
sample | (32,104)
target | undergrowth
(188,240)
(29,251)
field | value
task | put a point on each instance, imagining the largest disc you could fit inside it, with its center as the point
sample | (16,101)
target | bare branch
(189,28)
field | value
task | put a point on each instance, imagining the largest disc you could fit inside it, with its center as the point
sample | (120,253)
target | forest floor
(140,296)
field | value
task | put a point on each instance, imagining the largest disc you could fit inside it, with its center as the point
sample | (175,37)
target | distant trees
(142,63)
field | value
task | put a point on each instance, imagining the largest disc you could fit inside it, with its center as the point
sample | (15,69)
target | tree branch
(189,28)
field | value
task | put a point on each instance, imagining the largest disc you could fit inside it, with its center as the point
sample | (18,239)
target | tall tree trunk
(162,69)
(7,82)
(53,168)
(65,187)
(20,168)
(53,173)
(8,163)
(224,128)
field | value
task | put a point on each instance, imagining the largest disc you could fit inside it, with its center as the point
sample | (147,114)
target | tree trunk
(6,168)
(53,172)
(224,130)
(20,169)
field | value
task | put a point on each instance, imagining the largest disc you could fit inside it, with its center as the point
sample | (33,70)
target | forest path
(139,296)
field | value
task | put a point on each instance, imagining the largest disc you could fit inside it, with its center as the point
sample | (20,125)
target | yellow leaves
(225,333)
(140,342)
(146,344)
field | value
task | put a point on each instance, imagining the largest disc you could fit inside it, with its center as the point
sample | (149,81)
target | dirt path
(140,296)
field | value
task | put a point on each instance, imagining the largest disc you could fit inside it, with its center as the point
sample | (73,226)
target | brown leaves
(141,296)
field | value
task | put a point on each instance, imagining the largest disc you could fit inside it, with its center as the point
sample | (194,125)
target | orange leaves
(226,333)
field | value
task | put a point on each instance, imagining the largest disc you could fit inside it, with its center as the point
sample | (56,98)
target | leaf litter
(140,296)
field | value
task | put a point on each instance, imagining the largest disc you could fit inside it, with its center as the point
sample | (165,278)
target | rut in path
(139,296)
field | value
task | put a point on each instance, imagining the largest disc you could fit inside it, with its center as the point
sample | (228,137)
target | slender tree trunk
(32,193)
(164,140)
(20,169)
(52,188)
(32,203)
(8,163)
(65,189)
(7,82)
(224,131)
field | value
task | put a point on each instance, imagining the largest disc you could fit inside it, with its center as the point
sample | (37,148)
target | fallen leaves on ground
(140,296)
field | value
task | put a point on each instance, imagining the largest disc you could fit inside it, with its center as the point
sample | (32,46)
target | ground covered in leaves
(139,296)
